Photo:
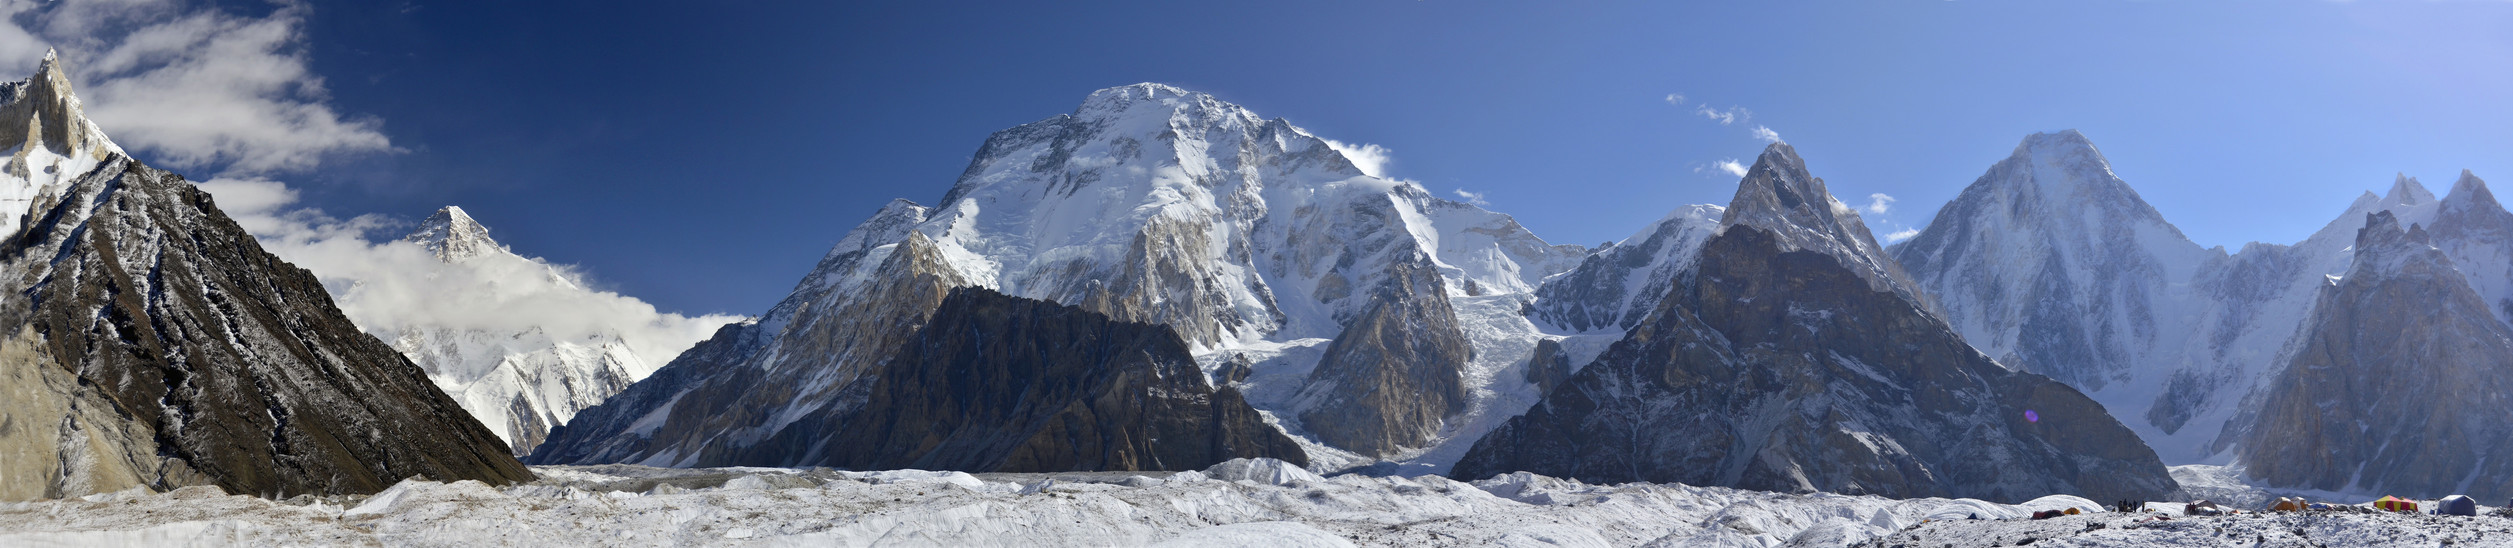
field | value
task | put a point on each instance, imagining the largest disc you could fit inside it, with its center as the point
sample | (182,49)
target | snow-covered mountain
(146,340)
(2054,265)
(1365,316)
(522,380)
(1792,355)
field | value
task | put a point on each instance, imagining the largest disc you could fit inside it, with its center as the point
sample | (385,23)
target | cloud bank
(190,85)
(388,286)
(1730,166)
(1878,203)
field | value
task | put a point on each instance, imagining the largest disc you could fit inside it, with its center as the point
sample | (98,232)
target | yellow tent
(2396,504)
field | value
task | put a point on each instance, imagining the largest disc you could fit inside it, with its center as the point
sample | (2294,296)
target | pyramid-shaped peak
(453,235)
(2405,190)
(1778,195)
(2472,191)
(2062,140)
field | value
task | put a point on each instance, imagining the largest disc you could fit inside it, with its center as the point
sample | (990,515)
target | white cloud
(1676,99)
(1901,235)
(1878,203)
(1766,134)
(1371,159)
(189,85)
(1472,197)
(1730,166)
(387,285)
(1725,117)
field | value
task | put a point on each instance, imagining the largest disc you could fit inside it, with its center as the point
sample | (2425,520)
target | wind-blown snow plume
(388,285)
(191,84)
(1472,197)
(1766,134)
(1371,159)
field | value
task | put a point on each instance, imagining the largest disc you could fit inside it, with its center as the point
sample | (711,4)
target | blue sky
(702,156)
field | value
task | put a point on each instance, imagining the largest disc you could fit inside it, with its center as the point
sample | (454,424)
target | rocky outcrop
(1393,376)
(153,342)
(1004,384)
(1773,365)
(2395,386)
(1548,367)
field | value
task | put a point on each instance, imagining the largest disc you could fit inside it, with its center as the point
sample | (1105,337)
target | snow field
(1242,503)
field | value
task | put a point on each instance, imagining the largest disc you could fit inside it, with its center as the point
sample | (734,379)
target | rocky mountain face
(149,341)
(519,381)
(2396,384)
(1358,314)
(995,383)
(1789,358)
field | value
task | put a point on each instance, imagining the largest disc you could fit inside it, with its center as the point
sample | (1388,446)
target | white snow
(620,505)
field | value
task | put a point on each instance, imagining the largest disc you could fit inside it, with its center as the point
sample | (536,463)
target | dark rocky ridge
(1393,376)
(196,357)
(2396,385)
(1784,371)
(995,383)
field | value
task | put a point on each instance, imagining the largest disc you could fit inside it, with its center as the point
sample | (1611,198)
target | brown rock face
(1785,371)
(2397,385)
(1004,384)
(1548,366)
(161,346)
(1393,376)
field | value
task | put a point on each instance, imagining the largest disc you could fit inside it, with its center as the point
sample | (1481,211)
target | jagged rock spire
(54,142)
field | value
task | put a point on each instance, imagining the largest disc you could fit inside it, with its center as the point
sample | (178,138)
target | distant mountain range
(1162,280)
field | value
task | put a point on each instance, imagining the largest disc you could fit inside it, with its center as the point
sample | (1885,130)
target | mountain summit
(453,236)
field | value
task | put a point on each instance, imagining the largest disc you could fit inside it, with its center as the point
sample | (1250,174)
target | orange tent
(2288,504)
(2396,504)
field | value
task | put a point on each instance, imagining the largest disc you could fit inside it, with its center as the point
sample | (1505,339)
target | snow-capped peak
(2469,191)
(1779,196)
(2405,191)
(453,236)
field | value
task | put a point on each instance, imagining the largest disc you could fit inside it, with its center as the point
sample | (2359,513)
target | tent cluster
(2455,505)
